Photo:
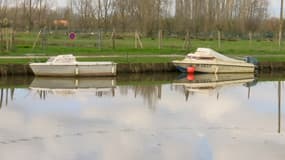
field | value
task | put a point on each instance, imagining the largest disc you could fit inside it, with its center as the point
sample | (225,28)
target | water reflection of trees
(182,90)
(279,107)
(5,96)
(147,86)
(43,94)
(149,93)
(8,86)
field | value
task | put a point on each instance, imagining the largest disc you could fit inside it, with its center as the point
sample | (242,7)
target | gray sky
(274,7)
(61,2)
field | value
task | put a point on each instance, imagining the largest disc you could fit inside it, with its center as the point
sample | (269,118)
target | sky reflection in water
(145,117)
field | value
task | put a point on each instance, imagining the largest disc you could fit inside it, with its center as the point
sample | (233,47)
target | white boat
(66,65)
(209,61)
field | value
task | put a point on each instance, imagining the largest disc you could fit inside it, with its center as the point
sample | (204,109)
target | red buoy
(190,69)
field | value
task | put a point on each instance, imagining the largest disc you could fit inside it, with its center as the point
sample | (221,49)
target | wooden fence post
(113,37)
(159,38)
(36,41)
(187,43)
(138,40)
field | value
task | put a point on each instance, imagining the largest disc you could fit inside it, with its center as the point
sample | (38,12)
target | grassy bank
(88,44)
(169,46)
(124,59)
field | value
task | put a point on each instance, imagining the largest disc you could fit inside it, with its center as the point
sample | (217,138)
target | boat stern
(183,67)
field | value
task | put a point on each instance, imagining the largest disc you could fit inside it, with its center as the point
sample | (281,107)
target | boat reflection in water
(71,85)
(212,83)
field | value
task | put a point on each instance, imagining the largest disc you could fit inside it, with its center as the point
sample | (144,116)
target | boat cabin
(70,59)
(199,56)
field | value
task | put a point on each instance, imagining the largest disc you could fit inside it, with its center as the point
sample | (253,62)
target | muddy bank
(15,70)
(145,67)
(24,69)
(268,67)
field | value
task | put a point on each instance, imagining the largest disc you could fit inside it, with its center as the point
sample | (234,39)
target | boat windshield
(51,59)
(210,52)
(194,56)
(62,59)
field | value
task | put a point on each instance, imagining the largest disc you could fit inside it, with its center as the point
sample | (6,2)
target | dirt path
(115,56)
(89,56)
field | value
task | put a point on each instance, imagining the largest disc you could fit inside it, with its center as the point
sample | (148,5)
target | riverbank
(25,70)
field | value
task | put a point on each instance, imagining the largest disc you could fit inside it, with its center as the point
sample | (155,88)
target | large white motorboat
(66,65)
(209,61)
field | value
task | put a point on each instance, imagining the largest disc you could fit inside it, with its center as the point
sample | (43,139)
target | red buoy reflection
(190,77)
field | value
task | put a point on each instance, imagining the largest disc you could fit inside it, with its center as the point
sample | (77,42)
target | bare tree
(30,23)
(85,10)
(107,12)
(3,8)
(255,15)
(281,23)
(149,17)
(122,14)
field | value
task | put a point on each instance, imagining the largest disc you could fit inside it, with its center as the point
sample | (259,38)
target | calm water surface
(133,117)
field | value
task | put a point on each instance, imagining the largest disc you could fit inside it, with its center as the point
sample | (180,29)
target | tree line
(173,17)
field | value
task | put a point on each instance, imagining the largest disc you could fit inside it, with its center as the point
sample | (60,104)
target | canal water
(143,116)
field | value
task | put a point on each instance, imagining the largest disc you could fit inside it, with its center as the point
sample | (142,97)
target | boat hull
(215,68)
(69,70)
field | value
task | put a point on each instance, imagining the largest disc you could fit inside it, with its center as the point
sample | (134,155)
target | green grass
(170,46)
(17,61)
(87,45)
(271,59)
